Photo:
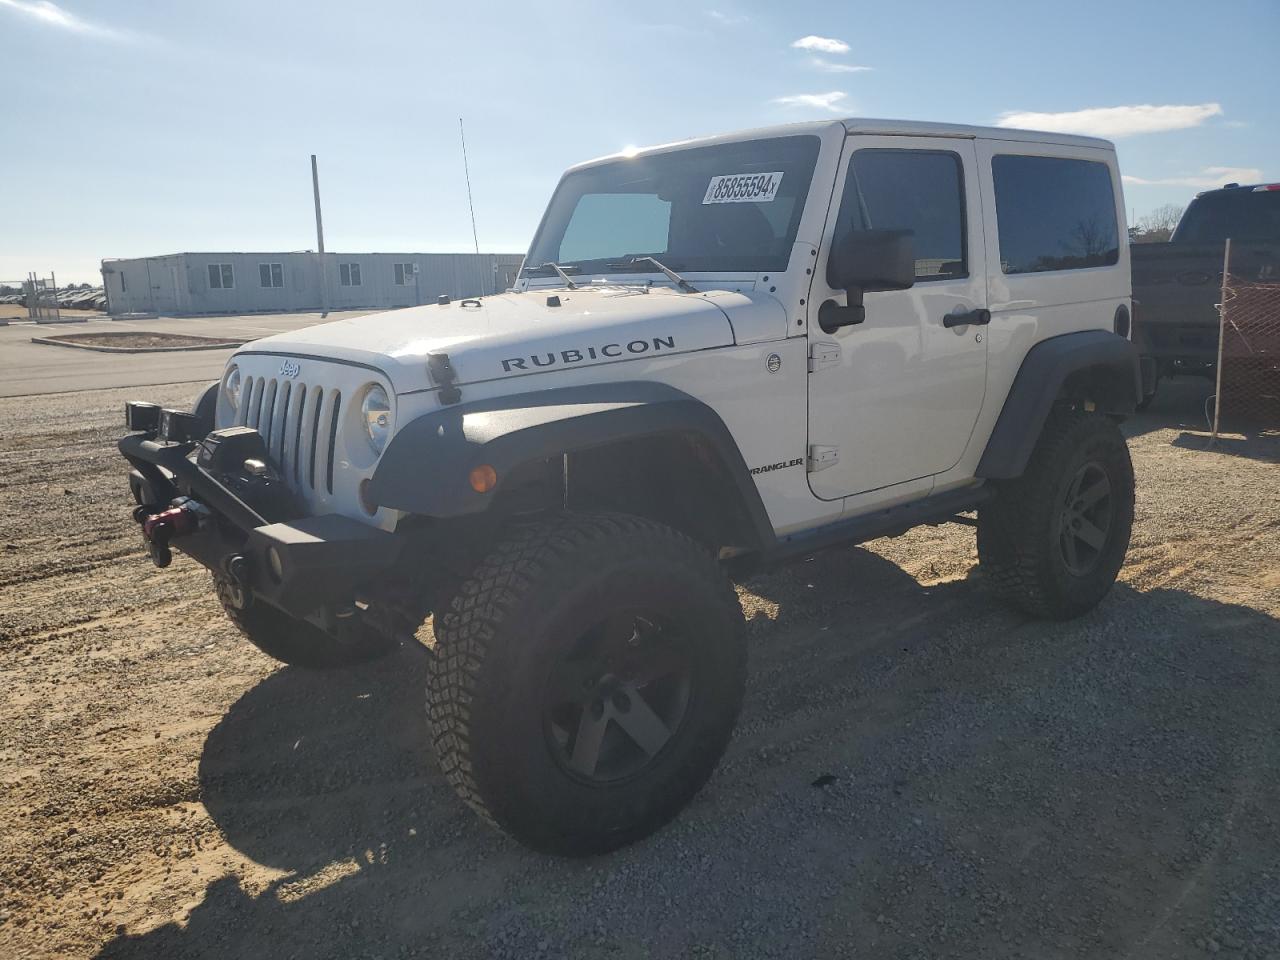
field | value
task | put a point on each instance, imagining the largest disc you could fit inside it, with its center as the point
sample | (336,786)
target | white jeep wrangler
(720,354)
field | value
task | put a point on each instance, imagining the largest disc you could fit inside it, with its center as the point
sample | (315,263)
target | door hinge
(823,353)
(821,457)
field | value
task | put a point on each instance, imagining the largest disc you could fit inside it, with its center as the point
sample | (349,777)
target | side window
(917,190)
(221,276)
(616,224)
(349,274)
(270,275)
(1054,213)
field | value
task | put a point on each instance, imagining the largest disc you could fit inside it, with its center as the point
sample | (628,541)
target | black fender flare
(206,405)
(426,467)
(1112,362)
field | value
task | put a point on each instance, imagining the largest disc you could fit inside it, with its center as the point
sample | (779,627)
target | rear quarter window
(1054,213)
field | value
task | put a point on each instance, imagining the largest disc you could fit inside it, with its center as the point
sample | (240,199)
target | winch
(183,516)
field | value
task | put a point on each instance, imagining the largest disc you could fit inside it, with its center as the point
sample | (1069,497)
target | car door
(895,397)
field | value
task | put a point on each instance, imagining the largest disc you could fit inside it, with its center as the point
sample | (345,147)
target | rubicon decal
(770,467)
(607,351)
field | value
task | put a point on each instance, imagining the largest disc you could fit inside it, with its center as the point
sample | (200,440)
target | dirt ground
(918,772)
(141,340)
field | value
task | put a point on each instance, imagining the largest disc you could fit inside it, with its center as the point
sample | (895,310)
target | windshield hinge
(823,353)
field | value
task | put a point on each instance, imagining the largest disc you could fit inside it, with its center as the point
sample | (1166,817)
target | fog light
(483,478)
(276,563)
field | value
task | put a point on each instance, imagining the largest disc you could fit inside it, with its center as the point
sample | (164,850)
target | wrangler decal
(770,467)
(608,351)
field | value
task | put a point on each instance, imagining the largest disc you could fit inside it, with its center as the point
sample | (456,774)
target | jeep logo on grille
(290,369)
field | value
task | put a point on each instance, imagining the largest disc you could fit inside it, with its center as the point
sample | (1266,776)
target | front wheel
(1052,541)
(586,681)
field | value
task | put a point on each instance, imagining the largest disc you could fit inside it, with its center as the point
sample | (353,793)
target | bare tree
(1157,226)
(1092,238)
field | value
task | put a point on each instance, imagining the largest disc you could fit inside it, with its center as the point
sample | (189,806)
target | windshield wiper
(670,274)
(568,282)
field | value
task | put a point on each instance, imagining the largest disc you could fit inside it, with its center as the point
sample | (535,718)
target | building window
(920,191)
(122,286)
(349,274)
(405,273)
(221,276)
(271,274)
(1054,213)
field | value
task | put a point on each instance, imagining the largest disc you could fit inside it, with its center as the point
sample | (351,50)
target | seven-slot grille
(300,426)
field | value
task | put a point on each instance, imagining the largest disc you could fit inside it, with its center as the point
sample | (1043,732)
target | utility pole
(324,288)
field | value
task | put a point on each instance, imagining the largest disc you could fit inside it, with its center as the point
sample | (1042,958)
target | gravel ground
(918,772)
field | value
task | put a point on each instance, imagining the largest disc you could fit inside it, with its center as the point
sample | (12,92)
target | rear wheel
(300,643)
(586,681)
(1052,542)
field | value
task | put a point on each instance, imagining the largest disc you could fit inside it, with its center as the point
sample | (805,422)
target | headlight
(376,411)
(231,387)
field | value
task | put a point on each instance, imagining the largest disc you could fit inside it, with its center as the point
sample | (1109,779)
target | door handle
(979,317)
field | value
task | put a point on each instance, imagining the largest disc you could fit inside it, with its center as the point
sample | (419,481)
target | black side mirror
(866,261)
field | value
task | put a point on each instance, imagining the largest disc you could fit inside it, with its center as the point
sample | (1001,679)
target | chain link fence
(1248,393)
(42,298)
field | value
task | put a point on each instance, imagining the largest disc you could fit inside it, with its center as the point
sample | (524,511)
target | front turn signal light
(483,478)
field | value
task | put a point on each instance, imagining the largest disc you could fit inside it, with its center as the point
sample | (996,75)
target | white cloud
(1115,121)
(827,66)
(728,19)
(53,15)
(1208,179)
(818,101)
(821,44)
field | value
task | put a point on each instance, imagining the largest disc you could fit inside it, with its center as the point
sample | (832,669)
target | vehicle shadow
(950,751)
(310,767)
(1179,403)
(1259,444)
(1186,404)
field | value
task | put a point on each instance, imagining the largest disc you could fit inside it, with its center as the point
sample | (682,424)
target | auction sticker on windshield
(743,188)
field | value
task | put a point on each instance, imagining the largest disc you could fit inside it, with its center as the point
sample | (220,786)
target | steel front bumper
(308,566)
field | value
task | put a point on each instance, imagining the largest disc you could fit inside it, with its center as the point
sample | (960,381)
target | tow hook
(183,516)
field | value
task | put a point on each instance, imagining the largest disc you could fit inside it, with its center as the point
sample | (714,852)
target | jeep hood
(516,334)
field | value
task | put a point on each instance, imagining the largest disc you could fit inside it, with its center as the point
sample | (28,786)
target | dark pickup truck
(1177,285)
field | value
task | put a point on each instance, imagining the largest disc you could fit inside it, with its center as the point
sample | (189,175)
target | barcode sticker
(743,188)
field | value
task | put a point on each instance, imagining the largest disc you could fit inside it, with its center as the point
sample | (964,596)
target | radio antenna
(467,170)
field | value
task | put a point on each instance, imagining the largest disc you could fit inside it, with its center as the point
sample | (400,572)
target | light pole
(315,189)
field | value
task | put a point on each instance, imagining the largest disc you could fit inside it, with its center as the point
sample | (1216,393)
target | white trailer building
(184,284)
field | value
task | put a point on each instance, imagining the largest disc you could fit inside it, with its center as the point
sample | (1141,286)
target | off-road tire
(302,644)
(514,618)
(1018,534)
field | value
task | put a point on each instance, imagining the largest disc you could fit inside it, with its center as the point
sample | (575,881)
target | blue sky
(135,127)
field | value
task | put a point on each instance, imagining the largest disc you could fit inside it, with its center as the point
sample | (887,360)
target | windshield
(1238,214)
(729,207)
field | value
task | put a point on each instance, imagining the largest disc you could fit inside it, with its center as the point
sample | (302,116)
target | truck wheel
(1052,542)
(302,644)
(586,681)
